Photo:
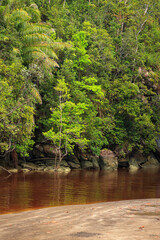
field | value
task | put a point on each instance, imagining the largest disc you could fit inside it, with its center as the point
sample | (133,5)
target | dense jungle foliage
(80,72)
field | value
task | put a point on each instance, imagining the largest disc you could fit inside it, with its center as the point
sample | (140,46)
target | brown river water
(33,190)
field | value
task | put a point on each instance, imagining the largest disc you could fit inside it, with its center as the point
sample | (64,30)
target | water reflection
(36,190)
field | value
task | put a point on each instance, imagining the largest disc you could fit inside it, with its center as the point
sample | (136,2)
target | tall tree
(67,125)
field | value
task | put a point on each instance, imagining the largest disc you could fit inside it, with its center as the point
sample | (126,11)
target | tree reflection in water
(36,190)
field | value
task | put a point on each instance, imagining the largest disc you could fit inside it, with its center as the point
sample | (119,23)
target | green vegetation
(82,73)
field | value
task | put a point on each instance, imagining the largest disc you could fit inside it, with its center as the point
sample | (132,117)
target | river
(34,190)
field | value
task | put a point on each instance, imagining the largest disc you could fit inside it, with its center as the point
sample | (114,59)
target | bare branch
(6,170)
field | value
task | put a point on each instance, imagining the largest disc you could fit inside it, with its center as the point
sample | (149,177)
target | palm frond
(40,48)
(35,93)
(60,45)
(30,28)
(36,38)
(41,56)
(19,16)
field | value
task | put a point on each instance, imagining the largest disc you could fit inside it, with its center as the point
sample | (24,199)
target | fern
(37,45)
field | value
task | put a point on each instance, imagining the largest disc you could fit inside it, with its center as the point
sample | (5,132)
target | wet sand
(122,220)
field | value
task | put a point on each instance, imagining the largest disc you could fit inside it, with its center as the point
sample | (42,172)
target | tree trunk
(14,158)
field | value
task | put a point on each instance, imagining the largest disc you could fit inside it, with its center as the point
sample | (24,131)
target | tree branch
(6,170)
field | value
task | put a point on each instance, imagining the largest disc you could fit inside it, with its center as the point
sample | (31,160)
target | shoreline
(126,219)
(73,205)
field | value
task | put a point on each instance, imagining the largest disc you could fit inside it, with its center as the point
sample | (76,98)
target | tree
(37,44)
(18,98)
(67,125)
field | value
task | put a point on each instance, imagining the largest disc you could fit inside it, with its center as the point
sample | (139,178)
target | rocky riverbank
(42,158)
(127,220)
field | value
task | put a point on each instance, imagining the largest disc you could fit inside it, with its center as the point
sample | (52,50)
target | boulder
(151,162)
(87,164)
(95,161)
(136,160)
(89,161)
(73,165)
(108,160)
(43,150)
(73,162)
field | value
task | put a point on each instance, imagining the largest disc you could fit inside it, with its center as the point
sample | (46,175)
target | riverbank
(131,219)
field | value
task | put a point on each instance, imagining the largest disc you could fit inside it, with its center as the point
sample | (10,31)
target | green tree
(18,98)
(67,125)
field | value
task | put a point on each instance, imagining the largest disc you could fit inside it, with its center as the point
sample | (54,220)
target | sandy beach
(131,219)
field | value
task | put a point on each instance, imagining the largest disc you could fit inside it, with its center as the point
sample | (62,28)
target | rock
(40,163)
(87,164)
(37,154)
(95,161)
(40,169)
(49,150)
(123,163)
(25,170)
(151,162)
(13,170)
(134,162)
(64,170)
(30,166)
(158,148)
(49,169)
(60,169)
(88,161)
(50,162)
(43,150)
(158,144)
(73,162)
(136,159)
(64,163)
(133,168)
(73,165)
(107,160)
